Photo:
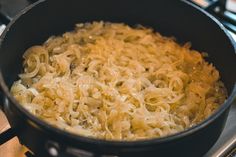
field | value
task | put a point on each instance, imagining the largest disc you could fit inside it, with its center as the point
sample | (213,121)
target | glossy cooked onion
(115,82)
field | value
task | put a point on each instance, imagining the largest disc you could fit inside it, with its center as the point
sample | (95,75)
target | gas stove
(221,9)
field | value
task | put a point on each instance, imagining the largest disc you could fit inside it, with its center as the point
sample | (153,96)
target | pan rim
(91,140)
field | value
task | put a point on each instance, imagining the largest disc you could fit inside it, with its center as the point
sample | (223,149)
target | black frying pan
(172,18)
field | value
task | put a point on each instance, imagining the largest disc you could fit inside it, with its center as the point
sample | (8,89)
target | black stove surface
(9,8)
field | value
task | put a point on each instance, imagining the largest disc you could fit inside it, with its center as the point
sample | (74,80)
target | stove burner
(217,8)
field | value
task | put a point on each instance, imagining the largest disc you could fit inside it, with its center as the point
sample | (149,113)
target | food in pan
(115,82)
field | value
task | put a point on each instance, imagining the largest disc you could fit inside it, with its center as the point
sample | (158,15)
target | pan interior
(178,20)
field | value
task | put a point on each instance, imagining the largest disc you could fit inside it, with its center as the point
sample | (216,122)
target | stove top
(224,147)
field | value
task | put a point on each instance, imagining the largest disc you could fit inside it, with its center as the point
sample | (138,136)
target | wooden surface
(12,148)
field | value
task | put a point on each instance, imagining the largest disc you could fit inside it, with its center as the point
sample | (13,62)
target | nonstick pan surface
(178,19)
